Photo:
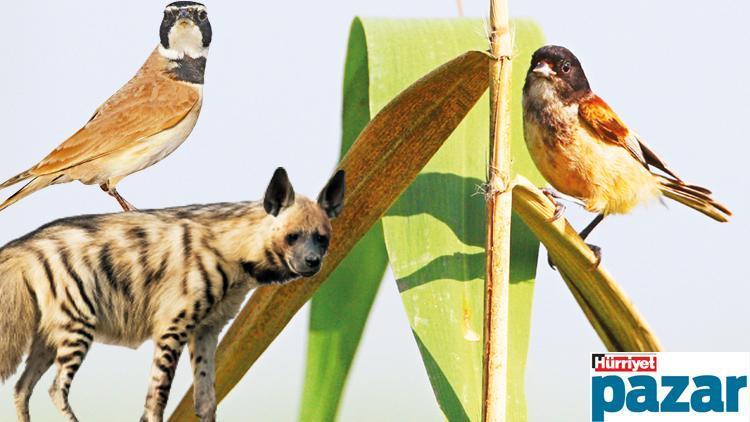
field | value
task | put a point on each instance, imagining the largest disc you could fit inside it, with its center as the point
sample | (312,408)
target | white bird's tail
(37,183)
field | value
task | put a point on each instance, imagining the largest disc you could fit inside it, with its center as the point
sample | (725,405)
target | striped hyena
(175,276)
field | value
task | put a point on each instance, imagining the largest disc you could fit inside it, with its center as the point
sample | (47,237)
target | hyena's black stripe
(280,257)
(219,257)
(118,284)
(62,360)
(196,312)
(139,233)
(187,242)
(65,258)
(69,327)
(31,291)
(157,275)
(125,286)
(173,336)
(105,263)
(76,343)
(224,280)
(44,262)
(271,258)
(173,354)
(164,393)
(207,284)
(103,300)
(76,318)
(167,370)
(179,317)
(141,237)
(187,253)
(263,276)
(185,284)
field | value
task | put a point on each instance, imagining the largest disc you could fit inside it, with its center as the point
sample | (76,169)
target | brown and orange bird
(586,152)
(143,122)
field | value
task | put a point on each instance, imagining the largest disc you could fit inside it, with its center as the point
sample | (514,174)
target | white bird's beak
(543,69)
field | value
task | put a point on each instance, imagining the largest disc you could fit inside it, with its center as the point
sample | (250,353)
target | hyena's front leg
(202,346)
(71,351)
(166,355)
(38,362)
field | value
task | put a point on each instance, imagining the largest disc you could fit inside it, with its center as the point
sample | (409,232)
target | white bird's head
(185,30)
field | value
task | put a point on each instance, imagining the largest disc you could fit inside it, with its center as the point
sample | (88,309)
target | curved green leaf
(339,310)
(435,233)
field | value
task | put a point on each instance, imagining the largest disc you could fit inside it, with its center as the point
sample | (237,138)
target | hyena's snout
(308,258)
(312,261)
(311,264)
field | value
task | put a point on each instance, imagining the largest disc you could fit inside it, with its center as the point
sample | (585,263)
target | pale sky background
(674,70)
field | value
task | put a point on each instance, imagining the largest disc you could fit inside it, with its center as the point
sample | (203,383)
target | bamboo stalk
(497,279)
(385,159)
(614,318)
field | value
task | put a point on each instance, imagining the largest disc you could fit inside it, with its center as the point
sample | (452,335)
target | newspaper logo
(670,387)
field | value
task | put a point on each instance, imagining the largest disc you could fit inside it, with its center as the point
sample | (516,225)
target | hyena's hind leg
(169,344)
(40,358)
(202,346)
(73,346)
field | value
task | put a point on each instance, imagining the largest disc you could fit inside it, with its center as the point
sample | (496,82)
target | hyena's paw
(151,418)
(206,412)
(207,417)
(59,396)
(21,399)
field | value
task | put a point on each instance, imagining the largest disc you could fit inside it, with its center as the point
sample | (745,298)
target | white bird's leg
(126,206)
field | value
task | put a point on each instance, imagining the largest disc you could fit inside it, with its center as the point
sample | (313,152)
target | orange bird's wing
(150,103)
(605,123)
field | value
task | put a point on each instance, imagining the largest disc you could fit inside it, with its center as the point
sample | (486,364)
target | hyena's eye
(291,238)
(321,240)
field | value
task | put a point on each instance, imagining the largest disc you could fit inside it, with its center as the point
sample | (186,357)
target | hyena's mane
(209,213)
(87,223)
(91,223)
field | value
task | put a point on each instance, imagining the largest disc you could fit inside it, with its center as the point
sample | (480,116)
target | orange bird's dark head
(560,68)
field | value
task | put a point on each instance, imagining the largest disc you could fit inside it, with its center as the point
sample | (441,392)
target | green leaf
(435,233)
(339,310)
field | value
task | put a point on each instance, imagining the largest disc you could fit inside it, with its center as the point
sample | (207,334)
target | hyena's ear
(279,193)
(331,198)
